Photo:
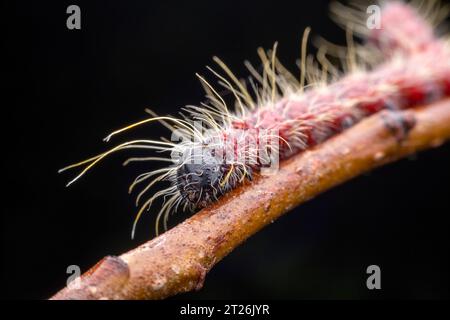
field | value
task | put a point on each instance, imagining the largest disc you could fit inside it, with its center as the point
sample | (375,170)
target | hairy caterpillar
(277,115)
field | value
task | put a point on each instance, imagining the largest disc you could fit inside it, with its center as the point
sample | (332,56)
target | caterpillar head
(202,180)
(199,176)
(199,184)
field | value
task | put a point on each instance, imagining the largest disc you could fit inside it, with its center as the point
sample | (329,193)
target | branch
(178,260)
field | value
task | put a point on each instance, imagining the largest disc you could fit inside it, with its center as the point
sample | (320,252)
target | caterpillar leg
(398,122)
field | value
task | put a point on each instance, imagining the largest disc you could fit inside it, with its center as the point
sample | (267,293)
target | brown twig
(178,260)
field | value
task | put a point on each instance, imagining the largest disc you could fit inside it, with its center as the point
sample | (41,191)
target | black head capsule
(199,184)
(201,179)
(202,184)
(198,177)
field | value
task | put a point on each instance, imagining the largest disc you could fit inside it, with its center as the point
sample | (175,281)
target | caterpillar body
(401,65)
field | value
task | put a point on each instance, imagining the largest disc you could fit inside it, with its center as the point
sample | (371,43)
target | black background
(69,88)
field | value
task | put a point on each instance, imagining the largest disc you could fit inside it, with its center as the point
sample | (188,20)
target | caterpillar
(274,114)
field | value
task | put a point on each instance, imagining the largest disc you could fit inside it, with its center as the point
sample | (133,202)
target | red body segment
(416,71)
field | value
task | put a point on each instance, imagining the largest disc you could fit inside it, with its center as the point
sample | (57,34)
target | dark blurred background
(69,88)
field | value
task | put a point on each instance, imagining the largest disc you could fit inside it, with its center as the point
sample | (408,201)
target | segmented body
(306,119)
(409,77)
(412,67)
